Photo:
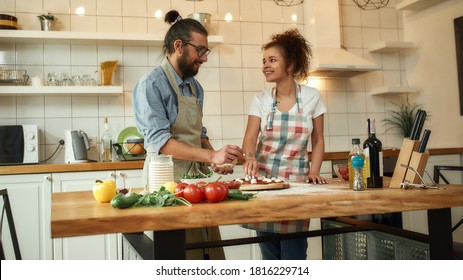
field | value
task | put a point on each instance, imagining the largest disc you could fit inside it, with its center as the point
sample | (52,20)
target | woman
(280,122)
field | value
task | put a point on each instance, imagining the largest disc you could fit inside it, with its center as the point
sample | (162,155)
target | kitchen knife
(414,126)
(421,119)
(418,125)
(424,141)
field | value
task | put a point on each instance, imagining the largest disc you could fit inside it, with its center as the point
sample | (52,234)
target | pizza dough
(260,183)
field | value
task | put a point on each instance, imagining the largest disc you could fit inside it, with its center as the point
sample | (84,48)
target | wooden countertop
(101,166)
(79,214)
(75,167)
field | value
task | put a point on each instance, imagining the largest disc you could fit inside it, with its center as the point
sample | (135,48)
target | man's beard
(186,67)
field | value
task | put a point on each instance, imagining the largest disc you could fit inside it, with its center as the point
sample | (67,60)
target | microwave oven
(19,144)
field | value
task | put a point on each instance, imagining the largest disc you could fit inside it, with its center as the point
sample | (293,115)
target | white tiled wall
(230,77)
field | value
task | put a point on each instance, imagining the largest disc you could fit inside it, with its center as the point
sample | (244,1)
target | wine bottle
(373,150)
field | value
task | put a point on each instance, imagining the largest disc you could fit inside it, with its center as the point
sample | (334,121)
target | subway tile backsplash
(231,76)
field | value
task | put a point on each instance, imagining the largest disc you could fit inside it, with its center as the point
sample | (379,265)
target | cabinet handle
(47,178)
(121,174)
(111,174)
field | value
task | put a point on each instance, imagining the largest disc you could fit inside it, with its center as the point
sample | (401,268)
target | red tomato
(193,194)
(225,189)
(233,185)
(345,177)
(215,192)
(178,190)
(202,187)
(343,170)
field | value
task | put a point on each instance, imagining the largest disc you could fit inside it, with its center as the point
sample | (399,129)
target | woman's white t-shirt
(312,105)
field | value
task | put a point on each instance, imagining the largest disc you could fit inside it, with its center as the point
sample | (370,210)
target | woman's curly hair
(296,50)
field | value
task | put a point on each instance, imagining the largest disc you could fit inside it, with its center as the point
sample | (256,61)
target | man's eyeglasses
(201,50)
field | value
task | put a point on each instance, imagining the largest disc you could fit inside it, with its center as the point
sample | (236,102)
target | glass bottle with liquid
(357,165)
(106,143)
(373,149)
(356,150)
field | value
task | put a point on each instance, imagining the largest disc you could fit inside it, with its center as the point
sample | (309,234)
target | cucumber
(122,201)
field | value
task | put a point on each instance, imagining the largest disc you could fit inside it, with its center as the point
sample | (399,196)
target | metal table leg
(169,245)
(440,234)
(166,245)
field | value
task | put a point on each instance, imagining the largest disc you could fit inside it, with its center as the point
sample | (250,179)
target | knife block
(418,161)
(405,156)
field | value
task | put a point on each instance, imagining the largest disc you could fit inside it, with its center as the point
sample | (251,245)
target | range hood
(322,30)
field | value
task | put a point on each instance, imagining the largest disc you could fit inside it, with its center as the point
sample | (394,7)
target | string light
(371,4)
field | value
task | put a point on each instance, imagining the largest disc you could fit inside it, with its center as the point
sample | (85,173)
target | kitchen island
(78,214)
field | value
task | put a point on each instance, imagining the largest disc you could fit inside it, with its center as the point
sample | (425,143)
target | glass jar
(160,170)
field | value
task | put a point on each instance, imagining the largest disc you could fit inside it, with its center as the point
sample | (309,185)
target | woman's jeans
(289,249)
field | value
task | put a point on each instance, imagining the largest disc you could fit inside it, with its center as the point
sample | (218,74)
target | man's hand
(227,154)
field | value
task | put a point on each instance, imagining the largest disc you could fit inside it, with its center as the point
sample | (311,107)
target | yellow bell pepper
(104,191)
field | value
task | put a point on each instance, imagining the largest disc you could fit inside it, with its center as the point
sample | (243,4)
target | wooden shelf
(391,46)
(61,37)
(416,5)
(61,90)
(393,90)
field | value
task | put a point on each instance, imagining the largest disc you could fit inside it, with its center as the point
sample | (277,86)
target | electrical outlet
(92,142)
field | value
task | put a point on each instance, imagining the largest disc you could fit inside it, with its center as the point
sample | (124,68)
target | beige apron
(187,129)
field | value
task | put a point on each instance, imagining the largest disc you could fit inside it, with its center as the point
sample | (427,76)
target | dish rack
(13,77)
(123,155)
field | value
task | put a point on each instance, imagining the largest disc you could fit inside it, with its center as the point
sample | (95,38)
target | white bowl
(195,181)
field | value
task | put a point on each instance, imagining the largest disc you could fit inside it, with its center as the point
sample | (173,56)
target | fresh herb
(159,198)
(235,194)
(163,198)
(197,175)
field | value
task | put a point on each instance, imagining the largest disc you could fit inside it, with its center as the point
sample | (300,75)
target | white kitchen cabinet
(127,178)
(95,247)
(30,198)
(239,252)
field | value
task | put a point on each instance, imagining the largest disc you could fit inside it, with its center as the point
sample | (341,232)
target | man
(168,105)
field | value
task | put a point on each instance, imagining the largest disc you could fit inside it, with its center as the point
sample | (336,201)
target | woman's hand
(315,179)
(251,166)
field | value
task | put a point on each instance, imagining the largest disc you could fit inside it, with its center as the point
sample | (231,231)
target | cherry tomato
(343,170)
(193,194)
(225,190)
(233,185)
(178,190)
(215,192)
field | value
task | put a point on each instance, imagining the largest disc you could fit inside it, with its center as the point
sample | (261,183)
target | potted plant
(47,21)
(403,117)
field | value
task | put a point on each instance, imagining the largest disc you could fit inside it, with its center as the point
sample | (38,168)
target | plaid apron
(282,154)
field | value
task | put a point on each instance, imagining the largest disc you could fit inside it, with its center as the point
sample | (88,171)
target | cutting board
(261,187)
